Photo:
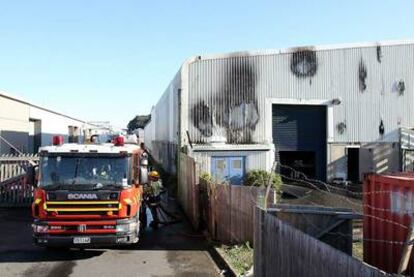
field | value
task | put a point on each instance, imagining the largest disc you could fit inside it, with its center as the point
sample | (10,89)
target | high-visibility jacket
(154,188)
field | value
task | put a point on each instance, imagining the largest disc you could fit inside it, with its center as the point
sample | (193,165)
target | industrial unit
(27,126)
(327,111)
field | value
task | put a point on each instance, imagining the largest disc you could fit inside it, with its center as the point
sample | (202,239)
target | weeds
(239,256)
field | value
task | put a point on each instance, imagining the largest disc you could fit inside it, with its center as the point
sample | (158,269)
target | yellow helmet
(154,175)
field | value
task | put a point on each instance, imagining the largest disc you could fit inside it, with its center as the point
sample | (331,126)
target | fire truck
(89,195)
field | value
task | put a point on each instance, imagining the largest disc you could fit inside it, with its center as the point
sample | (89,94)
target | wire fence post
(407,249)
(302,190)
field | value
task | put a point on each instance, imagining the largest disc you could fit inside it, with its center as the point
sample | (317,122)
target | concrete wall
(337,161)
(378,157)
(14,125)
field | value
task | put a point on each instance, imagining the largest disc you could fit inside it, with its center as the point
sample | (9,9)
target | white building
(27,126)
(328,111)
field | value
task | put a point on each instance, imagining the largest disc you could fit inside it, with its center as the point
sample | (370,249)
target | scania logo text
(81,196)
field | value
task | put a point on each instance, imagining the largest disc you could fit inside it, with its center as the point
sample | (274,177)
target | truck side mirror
(32,173)
(143,170)
(143,175)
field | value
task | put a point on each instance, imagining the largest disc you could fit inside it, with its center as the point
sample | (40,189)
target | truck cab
(89,195)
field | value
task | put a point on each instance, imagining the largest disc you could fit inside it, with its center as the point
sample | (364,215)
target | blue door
(228,169)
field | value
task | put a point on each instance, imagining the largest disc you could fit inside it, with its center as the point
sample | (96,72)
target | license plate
(81,240)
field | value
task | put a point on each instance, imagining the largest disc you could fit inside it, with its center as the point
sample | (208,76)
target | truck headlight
(40,228)
(124,228)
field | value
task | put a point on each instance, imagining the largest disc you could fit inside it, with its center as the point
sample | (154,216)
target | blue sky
(111,60)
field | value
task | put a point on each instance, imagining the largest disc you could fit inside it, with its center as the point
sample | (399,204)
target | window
(228,169)
(236,164)
(84,171)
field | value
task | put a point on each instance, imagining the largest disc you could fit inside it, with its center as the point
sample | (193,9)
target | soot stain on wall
(379,54)
(202,118)
(362,76)
(233,108)
(381,128)
(304,63)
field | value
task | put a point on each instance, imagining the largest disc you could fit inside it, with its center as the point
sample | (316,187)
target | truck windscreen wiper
(99,186)
(53,187)
(76,171)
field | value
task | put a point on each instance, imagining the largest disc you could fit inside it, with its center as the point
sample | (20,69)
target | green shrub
(260,178)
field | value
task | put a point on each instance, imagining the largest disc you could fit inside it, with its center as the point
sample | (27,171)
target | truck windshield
(61,170)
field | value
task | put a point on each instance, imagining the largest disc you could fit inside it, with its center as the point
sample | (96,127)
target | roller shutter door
(299,135)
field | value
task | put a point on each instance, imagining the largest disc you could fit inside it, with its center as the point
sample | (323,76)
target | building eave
(289,50)
(20,100)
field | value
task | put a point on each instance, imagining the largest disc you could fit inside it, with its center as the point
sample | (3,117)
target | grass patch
(239,257)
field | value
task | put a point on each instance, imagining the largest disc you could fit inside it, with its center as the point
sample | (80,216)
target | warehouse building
(27,126)
(327,111)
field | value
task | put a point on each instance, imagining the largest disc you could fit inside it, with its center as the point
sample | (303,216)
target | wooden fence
(333,226)
(282,250)
(15,191)
(188,189)
(227,211)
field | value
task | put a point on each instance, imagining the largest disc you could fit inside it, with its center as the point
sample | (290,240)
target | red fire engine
(89,195)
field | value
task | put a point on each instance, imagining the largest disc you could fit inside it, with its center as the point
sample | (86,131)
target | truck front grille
(83,207)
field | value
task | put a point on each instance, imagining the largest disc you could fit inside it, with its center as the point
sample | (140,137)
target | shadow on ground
(16,239)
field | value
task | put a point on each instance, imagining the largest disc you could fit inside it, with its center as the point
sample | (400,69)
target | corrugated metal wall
(161,132)
(227,97)
(337,161)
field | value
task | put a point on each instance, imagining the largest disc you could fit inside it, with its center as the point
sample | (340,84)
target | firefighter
(152,196)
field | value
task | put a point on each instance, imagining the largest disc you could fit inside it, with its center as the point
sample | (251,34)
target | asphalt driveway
(172,250)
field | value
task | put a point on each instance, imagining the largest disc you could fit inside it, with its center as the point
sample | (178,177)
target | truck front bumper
(94,240)
(124,231)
